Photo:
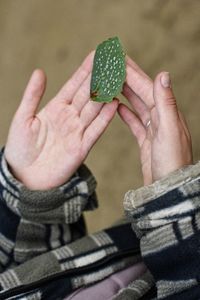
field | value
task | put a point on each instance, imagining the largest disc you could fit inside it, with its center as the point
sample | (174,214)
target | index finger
(70,88)
(132,63)
(139,83)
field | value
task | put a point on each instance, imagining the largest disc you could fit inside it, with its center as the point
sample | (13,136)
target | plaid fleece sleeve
(35,222)
(166,218)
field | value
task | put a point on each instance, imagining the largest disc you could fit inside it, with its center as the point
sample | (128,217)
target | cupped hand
(44,149)
(154,119)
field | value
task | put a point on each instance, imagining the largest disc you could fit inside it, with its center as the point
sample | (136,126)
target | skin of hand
(44,149)
(165,145)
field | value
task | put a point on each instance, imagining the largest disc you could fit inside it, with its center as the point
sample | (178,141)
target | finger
(32,95)
(184,124)
(133,122)
(138,105)
(99,124)
(82,95)
(133,65)
(165,101)
(68,91)
(141,85)
(90,112)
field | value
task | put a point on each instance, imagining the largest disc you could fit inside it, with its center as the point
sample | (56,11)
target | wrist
(23,179)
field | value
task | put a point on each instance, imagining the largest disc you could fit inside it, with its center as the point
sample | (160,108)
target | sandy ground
(57,35)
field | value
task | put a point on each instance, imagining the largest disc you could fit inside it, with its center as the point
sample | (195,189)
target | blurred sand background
(57,35)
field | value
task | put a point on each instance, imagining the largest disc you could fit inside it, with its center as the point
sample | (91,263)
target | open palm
(44,149)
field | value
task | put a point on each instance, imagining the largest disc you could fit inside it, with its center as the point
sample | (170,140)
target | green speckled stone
(109,71)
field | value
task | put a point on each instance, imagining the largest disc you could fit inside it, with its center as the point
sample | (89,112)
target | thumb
(32,95)
(164,99)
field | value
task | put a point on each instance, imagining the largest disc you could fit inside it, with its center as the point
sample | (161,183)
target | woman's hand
(44,149)
(160,129)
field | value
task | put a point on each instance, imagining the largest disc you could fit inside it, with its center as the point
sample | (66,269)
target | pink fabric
(110,286)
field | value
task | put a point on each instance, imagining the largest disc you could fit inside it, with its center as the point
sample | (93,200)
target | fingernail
(165,80)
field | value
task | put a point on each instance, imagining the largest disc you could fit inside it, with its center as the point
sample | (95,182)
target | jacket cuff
(63,204)
(144,195)
(171,195)
(166,218)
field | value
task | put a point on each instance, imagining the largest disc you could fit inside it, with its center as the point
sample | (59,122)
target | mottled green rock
(109,72)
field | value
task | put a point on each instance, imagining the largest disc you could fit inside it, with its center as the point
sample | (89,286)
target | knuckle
(170,100)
